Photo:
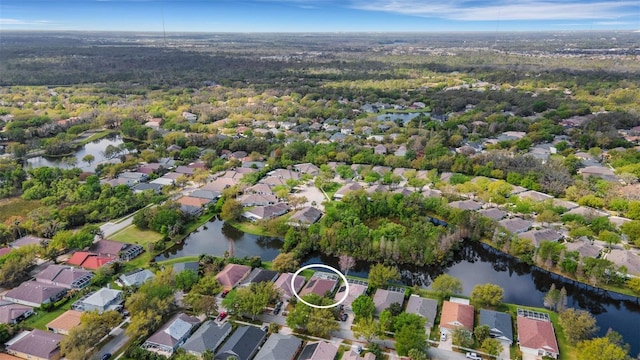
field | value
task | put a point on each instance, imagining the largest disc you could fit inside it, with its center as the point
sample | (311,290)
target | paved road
(435,353)
(111,228)
(116,343)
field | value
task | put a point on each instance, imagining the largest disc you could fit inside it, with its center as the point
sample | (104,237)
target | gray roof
(244,342)
(516,225)
(279,347)
(136,278)
(427,308)
(306,215)
(537,236)
(37,343)
(499,323)
(205,194)
(9,311)
(208,337)
(493,213)
(259,275)
(174,330)
(466,205)
(102,297)
(34,292)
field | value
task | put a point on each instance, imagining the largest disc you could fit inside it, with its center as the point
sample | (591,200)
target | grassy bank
(179,260)
(252,228)
(16,206)
(96,136)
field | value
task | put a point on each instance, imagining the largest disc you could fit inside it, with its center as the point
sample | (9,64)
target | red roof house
(89,260)
(456,315)
(536,337)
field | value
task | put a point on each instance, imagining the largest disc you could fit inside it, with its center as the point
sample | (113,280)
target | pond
(95,148)
(474,264)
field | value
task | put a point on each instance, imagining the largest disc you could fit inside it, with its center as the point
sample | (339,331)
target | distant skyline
(319,15)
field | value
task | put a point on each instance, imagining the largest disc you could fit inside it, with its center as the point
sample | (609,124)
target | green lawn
(16,206)
(132,235)
(42,318)
(179,260)
(96,136)
(250,228)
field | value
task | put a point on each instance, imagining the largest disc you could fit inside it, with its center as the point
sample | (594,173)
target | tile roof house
(493,213)
(318,351)
(279,347)
(136,277)
(102,300)
(585,248)
(171,335)
(384,298)
(266,212)
(35,344)
(259,275)
(208,337)
(35,294)
(306,168)
(534,195)
(260,189)
(319,286)
(347,188)
(11,313)
(537,337)
(65,322)
(89,260)
(499,323)
(466,205)
(516,225)
(538,235)
(625,258)
(243,344)
(305,217)
(355,290)
(427,308)
(283,284)
(232,274)
(257,200)
(65,276)
(455,315)
(353,355)
(586,212)
(110,248)
(28,240)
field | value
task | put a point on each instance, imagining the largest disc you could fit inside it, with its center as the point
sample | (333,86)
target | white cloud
(18,22)
(504,10)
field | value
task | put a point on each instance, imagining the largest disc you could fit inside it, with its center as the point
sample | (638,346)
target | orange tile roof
(537,334)
(192,201)
(67,321)
(89,260)
(456,315)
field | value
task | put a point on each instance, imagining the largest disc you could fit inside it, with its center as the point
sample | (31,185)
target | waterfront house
(232,275)
(537,338)
(384,298)
(456,315)
(171,335)
(500,325)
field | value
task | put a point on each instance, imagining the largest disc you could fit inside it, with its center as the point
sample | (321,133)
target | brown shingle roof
(318,286)
(232,274)
(37,343)
(456,315)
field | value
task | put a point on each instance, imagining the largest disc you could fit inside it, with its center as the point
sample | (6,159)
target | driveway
(313,194)
(114,345)
(447,344)
(111,228)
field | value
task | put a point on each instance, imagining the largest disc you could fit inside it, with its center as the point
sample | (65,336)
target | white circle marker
(344,278)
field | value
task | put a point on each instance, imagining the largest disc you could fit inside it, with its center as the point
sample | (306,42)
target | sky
(319,15)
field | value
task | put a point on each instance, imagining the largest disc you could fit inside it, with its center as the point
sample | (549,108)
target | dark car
(222,316)
(344,317)
(105,356)
(224,293)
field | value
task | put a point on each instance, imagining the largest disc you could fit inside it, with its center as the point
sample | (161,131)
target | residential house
(259,275)
(499,324)
(534,195)
(35,294)
(585,247)
(65,322)
(537,338)
(565,204)
(116,249)
(184,170)
(539,235)
(259,189)
(209,195)
(493,213)
(280,347)
(242,344)
(232,275)
(353,355)
(456,315)
(304,217)
(283,284)
(432,193)
(65,276)
(192,205)
(320,350)
(401,151)
(382,299)
(586,212)
(171,335)
(319,286)
(102,300)
(187,265)
(345,189)
(380,149)
(190,117)
(266,212)
(427,308)
(136,278)
(625,258)
(598,171)
(516,225)
(35,344)
(307,168)
(285,174)
(89,260)
(273,181)
(257,200)
(11,313)
(470,205)
(163,181)
(142,187)
(208,337)
(28,240)
(356,288)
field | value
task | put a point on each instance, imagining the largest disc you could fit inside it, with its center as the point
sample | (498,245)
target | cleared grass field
(132,235)
(16,206)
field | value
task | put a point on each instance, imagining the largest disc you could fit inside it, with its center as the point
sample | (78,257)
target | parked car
(224,293)
(473,356)
(222,316)
(358,350)
(344,317)
(443,336)
(105,356)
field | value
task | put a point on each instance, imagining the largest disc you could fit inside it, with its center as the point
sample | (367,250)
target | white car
(473,356)
(443,336)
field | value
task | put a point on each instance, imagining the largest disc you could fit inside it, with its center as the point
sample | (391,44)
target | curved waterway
(474,264)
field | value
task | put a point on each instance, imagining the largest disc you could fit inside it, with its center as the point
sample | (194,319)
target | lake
(95,148)
(474,264)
